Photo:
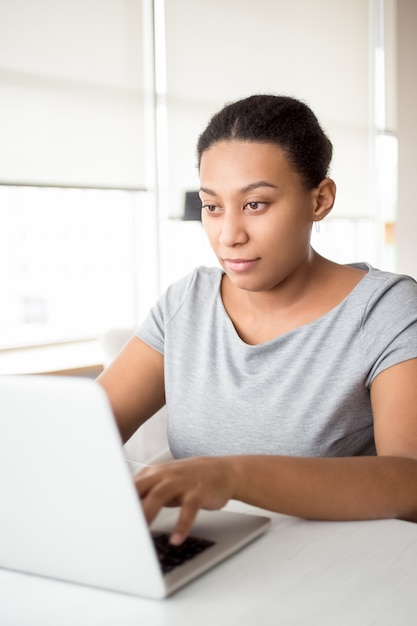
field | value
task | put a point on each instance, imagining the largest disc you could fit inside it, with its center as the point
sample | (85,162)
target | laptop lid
(68,506)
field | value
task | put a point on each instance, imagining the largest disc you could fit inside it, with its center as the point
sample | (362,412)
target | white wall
(406,235)
(318,51)
(71,88)
(71,92)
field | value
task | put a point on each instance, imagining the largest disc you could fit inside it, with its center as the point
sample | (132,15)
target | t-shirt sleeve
(153,329)
(389,327)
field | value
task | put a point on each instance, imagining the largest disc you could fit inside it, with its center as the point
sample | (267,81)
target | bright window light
(66,263)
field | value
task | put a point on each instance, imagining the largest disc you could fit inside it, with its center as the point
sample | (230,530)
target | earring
(317,226)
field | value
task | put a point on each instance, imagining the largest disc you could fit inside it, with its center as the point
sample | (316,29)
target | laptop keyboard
(171,556)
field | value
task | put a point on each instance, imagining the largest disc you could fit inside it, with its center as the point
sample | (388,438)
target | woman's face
(256,213)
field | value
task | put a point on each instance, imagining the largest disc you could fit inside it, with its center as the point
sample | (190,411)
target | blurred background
(101,104)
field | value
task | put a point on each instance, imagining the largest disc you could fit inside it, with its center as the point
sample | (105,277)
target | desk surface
(298,573)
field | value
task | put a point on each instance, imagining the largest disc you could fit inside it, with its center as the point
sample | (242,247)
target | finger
(149,484)
(145,480)
(160,494)
(186,518)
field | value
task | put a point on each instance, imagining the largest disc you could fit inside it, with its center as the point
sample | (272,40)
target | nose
(232,231)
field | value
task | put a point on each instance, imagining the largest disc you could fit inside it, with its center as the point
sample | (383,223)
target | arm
(134,383)
(314,488)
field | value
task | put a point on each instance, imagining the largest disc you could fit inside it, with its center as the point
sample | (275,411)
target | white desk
(299,573)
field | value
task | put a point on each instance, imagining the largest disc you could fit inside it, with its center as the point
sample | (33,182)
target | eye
(255,206)
(211,208)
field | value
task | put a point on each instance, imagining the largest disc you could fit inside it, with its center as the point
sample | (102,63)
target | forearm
(355,488)
(328,488)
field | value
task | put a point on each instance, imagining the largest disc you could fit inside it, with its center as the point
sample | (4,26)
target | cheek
(283,236)
(211,229)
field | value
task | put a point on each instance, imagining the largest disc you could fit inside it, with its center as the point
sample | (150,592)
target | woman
(290,380)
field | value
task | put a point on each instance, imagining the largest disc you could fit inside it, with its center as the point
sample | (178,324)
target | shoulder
(386,290)
(192,290)
(388,305)
(182,305)
(201,280)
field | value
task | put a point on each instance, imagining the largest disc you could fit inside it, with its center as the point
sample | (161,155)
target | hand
(192,484)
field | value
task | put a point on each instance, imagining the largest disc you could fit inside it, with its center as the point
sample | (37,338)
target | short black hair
(281,120)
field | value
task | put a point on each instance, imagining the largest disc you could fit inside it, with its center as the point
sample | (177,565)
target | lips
(239,265)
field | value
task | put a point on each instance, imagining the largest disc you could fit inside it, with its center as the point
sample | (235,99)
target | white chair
(150,441)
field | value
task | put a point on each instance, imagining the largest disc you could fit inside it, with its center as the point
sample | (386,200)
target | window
(67,259)
(98,103)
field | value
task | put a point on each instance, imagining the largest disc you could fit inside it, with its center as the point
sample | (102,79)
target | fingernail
(176,539)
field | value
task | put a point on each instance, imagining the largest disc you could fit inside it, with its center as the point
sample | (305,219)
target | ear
(324,197)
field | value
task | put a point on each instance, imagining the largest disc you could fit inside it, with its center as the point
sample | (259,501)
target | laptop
(68,506)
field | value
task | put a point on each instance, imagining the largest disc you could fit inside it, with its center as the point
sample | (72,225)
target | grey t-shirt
(304,393)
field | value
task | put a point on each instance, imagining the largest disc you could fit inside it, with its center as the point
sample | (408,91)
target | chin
(247,284)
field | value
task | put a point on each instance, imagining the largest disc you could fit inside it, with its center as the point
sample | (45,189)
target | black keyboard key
(171,556)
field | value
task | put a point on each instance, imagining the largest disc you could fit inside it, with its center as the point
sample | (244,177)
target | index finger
(186,518)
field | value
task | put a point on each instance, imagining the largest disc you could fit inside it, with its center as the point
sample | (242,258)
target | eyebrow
(251,187)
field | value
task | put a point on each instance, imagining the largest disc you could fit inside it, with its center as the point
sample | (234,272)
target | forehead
(235,159)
